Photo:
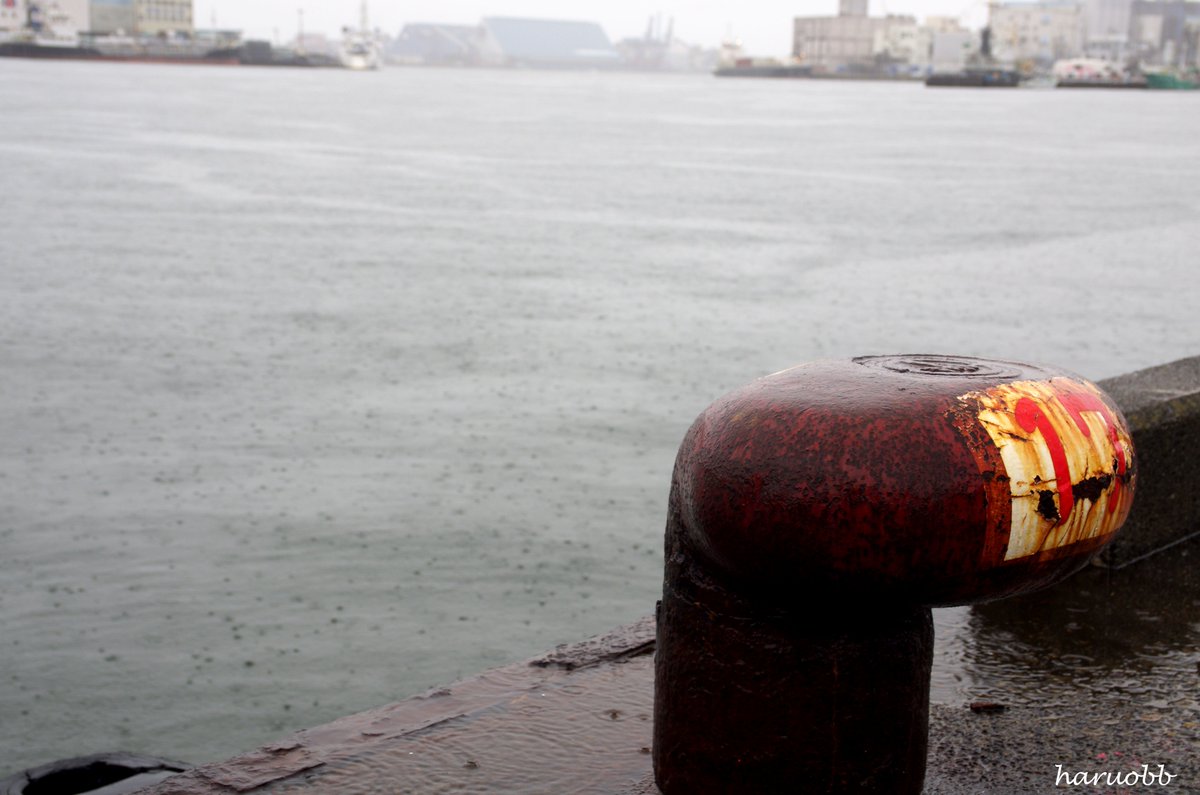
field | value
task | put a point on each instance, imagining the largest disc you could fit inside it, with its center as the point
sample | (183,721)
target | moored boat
(360,48)
(1095,73)
(96,50)
(1172,81)
(976,77)
(1092,82)
(748,68)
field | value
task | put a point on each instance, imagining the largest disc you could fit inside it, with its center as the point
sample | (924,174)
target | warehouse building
(546,43)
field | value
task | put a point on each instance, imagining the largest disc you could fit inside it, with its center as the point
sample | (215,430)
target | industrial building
(1106,24)
(1165,32)
(506,41)
(437,45)
(1039,32)
(852,38)
(142,17)
(1156,32)
(949,45)
(66,19)
(163,16)
(546,43)
(112,16)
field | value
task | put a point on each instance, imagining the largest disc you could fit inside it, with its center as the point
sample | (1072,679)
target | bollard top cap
(931,479)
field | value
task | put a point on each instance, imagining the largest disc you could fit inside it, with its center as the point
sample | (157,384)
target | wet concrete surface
(1099,674)
(576,720)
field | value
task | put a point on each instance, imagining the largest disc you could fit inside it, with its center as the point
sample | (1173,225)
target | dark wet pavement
(1127,637)
(1099,674)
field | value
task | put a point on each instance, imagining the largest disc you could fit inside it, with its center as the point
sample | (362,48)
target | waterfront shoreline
(297,377)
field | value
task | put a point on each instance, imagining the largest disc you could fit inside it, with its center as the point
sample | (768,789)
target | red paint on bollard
(818,513)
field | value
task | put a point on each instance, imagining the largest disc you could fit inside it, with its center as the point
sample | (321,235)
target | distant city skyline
(763,28)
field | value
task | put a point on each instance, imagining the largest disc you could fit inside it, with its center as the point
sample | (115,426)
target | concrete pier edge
(1009,751)
(1162,406)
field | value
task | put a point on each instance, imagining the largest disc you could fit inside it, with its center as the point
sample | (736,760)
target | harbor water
(323,388)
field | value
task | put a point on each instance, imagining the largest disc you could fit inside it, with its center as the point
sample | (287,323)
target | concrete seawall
(578,719)
(1162,405)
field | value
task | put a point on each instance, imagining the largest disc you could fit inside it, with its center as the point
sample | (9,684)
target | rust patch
(1046,506)
(1091,488)
(964,414)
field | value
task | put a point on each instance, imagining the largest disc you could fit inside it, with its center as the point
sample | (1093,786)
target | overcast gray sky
(763,27)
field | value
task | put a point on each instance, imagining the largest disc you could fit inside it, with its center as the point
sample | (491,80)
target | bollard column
(816,515)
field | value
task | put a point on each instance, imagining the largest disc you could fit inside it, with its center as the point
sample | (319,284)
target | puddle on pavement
(1129,635)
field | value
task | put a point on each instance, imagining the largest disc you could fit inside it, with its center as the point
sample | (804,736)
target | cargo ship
(40,40)
(747,67)
(731,62)
(127,51)
(155,50)
(976,77)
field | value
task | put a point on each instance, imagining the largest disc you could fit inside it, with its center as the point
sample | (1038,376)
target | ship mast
(362,18)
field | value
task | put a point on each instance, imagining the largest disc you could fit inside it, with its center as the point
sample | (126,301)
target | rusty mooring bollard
(815,517)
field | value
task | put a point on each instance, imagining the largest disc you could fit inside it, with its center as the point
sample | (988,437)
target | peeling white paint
(1028,451)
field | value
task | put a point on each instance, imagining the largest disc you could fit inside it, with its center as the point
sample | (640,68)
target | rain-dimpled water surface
(322,388)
